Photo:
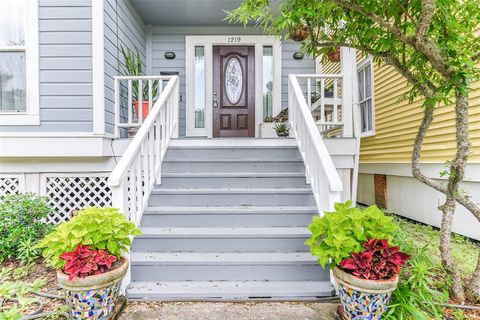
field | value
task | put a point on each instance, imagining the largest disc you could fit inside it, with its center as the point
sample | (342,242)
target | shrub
(21,225)
(379,261)
(336,235)
(98,228)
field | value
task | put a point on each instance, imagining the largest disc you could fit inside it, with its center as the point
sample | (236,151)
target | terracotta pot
(93,297)
(334,55)
(363,299)
(145,109)
(299,33)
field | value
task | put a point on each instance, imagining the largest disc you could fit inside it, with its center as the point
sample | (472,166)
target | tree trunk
(473,287)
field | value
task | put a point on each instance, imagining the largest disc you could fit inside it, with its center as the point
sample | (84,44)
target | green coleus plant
(338,234)
(97,228)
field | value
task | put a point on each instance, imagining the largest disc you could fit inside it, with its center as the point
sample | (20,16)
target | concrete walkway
(229,311)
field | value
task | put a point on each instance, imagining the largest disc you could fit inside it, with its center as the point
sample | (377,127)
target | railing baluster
(335,101)
(117,108)
(150,94)
(140,101)
(129,102)
(322,101)
(309,93)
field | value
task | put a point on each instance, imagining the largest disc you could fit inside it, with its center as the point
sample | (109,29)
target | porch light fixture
(298,55)
(170,55)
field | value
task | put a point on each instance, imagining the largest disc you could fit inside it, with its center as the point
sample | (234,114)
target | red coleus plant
(83,262)
(379,261)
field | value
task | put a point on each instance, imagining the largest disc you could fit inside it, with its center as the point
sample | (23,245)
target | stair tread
(232,174)
(223,160)
(229,209)
(222,258)
(255,190)
(229,289)
(226,232)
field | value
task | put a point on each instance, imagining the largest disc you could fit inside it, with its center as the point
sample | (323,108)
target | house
(385,174)
(184,151)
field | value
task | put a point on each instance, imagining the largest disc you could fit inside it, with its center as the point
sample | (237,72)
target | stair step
(228,216)
(272,239)
(231,196)
(225,154)
(248,266)
(227,290)
(232,166)
(233,180)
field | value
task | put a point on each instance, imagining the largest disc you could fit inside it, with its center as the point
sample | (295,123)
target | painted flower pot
(93,297)
(145,108)
(283,134)
(334,55)
(363,299)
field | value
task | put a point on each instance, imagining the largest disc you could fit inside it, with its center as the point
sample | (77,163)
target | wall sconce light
(298,55)
(170,55)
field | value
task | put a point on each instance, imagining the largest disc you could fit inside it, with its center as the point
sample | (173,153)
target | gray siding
(123,28)
(292,66)
(167,40)
(65,50)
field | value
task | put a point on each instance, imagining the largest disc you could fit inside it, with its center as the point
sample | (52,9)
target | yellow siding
(396,123)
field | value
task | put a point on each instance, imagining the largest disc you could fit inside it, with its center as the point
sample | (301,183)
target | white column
(348,69)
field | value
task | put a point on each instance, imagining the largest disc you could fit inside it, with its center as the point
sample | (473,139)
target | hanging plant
(333,54)
(299,33)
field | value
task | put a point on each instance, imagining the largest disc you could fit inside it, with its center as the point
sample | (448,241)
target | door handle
(215,100)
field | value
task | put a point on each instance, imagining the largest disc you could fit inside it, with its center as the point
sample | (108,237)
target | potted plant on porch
(87,253)
(355,243)
(133,67)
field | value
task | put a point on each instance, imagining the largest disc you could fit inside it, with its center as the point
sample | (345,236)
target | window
(267,85)
(365,97)
(199,87)
(19,62)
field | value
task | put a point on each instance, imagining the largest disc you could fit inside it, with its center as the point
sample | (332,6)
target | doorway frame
(208,42)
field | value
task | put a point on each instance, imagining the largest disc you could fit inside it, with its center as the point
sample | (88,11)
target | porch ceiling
(184,12)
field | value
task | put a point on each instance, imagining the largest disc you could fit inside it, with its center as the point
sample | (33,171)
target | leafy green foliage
(416,296)
(282,127)
(392,32)
(336,235)
(134,67)
(98,228)
(21,223)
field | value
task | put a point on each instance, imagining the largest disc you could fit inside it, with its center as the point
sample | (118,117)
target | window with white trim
(19,62)
(365,97)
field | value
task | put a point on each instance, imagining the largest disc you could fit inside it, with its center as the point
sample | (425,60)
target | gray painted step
(272,239)
(186,266)
(230,290)
(232,196)
(216,166)
(208,153)
(239,180)
(225,216)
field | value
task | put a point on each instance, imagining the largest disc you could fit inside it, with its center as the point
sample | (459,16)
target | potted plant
(133,67)
(333,54)
(282,129)
(355,243)
(299,32)
(87,253)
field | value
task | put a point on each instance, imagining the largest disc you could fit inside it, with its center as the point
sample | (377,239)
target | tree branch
(428,11)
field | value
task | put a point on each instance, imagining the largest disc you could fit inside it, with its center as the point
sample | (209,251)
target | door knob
(215,100)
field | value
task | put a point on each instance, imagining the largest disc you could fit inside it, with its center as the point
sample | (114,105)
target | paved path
(229,311)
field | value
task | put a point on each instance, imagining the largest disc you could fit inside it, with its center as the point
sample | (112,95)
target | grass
(464,250)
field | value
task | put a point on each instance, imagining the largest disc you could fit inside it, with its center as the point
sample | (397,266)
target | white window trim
(32,115)
(247,40)
(361,65)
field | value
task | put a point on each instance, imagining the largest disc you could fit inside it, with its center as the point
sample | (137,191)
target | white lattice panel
(10,184)
(71,193)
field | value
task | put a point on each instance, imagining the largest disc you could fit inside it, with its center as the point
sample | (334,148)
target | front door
(233,91)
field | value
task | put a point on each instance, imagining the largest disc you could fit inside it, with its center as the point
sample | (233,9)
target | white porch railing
(139,168)
(324,100)
(131,93)
(320,170)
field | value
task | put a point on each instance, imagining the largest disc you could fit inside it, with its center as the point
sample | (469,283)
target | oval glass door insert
(233,80)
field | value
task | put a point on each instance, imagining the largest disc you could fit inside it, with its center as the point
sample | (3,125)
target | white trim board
(98,67)
(405,170)
(32,116)
(244,40)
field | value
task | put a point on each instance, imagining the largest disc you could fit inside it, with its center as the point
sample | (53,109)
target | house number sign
(234,39)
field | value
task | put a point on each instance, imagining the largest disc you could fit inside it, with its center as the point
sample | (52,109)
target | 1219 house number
(234,39)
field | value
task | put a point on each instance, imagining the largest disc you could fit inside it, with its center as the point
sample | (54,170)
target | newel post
(348,66)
